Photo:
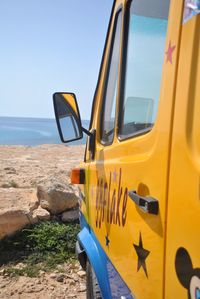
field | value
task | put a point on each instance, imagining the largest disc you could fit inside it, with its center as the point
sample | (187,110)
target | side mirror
(67,117)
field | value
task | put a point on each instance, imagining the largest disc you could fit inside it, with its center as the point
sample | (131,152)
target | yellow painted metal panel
(183,238)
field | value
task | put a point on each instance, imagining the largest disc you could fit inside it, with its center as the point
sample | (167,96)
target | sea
(32,131)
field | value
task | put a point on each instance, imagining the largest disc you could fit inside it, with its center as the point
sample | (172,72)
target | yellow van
(140,179)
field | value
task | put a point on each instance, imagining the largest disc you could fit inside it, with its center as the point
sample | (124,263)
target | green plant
(28,270)
(13,184)
(52,236)
(10,184)
(40,247)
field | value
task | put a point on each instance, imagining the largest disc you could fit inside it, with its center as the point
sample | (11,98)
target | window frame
(125,34)
(107,73)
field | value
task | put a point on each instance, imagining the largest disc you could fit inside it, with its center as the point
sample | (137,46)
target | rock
(71,296)
(12,221)
(41,273)
(20,266)
(53,275)
(41,214)
(2,272)
(82,288)
(16,207)
(70,216)
(60,277)
(81,273)
(56,197)
(72,283)
(74,277)
(37,288)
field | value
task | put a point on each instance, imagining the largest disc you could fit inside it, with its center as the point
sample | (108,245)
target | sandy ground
(26,167)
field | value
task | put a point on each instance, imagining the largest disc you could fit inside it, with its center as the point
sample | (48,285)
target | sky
(48,46)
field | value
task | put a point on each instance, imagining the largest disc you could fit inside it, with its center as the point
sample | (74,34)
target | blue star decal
(107,241)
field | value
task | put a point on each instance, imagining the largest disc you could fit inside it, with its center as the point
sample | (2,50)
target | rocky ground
(30,177)
(54,285)
(35,184)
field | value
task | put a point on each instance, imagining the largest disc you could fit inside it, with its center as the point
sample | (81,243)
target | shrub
(40,247)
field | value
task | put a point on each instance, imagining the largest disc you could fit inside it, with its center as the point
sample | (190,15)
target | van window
(110,90)
(145,47)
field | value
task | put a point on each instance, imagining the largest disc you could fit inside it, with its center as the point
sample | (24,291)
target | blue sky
(48,46)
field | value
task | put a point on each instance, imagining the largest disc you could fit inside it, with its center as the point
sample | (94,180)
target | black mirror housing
(67,116)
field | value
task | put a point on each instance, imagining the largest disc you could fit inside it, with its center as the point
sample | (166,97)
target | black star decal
(142,255)
(107,241)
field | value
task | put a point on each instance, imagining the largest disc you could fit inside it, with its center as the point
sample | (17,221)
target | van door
(183,238)
(132,116)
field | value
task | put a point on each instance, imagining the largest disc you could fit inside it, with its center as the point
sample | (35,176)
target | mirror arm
(86,132)
(92,136)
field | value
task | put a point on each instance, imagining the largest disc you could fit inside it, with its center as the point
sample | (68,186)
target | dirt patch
(67,282)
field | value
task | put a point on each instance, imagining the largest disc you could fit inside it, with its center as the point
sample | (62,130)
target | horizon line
(34,117)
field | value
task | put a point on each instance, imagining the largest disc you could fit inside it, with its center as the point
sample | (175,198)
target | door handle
(147,204)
